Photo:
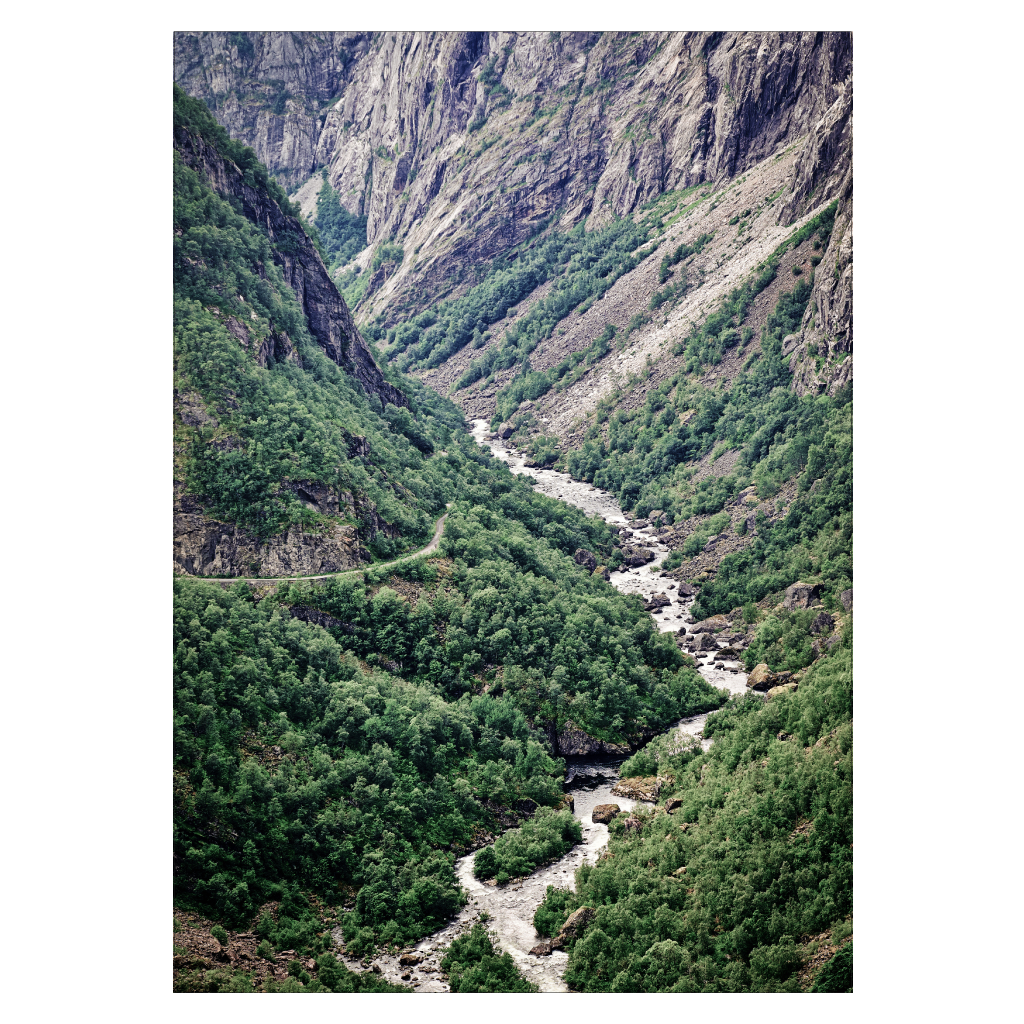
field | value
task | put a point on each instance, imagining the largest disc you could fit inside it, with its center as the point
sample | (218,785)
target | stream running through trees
(510,908)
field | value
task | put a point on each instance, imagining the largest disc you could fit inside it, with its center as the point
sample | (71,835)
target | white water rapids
(510,909)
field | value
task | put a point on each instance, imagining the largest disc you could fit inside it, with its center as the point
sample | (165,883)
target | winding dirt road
(434,544)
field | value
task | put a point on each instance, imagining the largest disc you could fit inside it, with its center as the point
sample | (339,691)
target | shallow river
(510,909)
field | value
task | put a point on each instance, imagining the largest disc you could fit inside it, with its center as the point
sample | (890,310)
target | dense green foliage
(519,612)
(343,234)
(542,839)
(647,456)
(369,779)
(331,976)
(280,425)
(583,266)
(837,974)
(474,965)
(766,850)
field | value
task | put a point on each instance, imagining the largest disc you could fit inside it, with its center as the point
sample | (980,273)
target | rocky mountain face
(461,145)
(329,319)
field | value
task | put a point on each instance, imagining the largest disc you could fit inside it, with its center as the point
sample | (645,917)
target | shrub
(266,951)
(694,544)
(553,910)
(219,934)
(543,838)
(474,965)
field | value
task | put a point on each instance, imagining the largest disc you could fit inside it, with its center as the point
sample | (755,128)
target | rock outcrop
(206,547)
(761,678)
(585,558)
(634,557)
(639,787)
(574,742)
(801,595)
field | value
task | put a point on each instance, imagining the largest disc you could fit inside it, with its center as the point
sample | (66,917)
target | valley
(513,477)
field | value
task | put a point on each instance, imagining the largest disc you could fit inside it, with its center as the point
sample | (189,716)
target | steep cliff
(327,316)
(462,145)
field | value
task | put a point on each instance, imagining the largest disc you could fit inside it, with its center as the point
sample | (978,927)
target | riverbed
(509,909)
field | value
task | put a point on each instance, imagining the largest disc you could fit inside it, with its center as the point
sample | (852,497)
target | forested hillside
(349,737)
(630,254)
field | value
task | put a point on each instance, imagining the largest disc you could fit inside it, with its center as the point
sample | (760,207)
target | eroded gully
(510,909)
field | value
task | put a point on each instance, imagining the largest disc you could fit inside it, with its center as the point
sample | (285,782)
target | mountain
(632,255)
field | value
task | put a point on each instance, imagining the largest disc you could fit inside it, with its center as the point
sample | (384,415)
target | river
(510,908)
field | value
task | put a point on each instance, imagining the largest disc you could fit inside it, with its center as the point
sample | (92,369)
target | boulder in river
(728,654)
(505,431)
(761,678)
(409,959)
(541,949)
(604,814)
(634,556)
(706,642)
(686,590)
(801,595)
(585,558)
(657,602)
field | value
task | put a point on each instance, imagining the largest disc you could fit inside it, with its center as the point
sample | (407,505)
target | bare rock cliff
(414,128)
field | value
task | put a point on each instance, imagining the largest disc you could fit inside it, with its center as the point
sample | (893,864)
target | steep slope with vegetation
(337,743)
(632,256)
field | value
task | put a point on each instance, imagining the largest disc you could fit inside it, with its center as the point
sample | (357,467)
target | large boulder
(846,600)
(801,595)
(505,431)
(783,688)
(685,590)
(585,558)
(762,678)
(634,556)
(633,825)
(657,601)
(576,922)
(604,814)
(541,949)
(409,959)
(671,804)
(706,642)
(729,654)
